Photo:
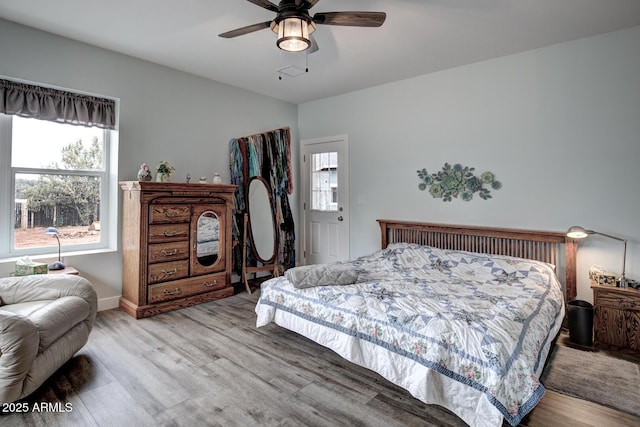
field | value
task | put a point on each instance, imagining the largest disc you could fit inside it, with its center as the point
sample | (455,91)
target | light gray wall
(164,115)
(559,126)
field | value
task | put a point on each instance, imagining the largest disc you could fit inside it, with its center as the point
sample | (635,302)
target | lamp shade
(577,232)
(51,230)
(293,34)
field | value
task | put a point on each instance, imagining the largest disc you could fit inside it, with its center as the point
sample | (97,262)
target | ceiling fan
(294,25)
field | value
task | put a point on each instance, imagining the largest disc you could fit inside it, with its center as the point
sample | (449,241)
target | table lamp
(56,265)
(577,232)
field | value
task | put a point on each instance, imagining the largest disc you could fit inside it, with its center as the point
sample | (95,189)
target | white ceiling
(418,37)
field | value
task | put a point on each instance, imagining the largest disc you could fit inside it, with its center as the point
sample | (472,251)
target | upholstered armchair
(44,320)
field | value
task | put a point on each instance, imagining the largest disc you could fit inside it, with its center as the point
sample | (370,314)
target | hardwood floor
(208,365)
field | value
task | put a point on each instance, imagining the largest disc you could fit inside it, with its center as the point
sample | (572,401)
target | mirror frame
(272,259)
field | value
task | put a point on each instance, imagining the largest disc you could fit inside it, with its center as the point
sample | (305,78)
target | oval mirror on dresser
(208,238)
(261,234)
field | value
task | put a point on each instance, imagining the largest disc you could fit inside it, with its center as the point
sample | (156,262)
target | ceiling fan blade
(314,45)
(353,19)
(245,30)
(266,4)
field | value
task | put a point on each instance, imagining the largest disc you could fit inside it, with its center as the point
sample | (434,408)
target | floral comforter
(483,321)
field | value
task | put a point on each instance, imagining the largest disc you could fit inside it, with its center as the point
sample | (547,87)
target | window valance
(56,105)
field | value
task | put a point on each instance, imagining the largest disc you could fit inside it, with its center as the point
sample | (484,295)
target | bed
(459,316)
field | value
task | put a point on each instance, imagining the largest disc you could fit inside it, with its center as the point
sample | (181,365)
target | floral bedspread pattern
(485,321)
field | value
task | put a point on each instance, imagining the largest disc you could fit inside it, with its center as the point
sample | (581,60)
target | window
(324,181)
(55,174)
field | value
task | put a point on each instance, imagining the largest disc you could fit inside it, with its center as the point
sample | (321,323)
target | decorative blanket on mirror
(483,322)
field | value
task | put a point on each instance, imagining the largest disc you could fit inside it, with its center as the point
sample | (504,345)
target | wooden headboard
(537,245)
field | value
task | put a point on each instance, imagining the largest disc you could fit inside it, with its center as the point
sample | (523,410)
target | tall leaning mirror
(260,231)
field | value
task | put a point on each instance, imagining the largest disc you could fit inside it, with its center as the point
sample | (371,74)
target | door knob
(340,218)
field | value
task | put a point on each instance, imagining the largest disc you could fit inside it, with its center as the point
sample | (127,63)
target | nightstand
(617,316)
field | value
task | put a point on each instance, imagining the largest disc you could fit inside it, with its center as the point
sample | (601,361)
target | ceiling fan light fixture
(293,34)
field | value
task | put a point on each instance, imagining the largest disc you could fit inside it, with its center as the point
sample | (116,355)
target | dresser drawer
(163,252)
(618,301)
(166,271)
(161,233)
(186,287)
(159,214)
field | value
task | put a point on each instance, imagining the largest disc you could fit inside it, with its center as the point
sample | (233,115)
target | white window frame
(108,199)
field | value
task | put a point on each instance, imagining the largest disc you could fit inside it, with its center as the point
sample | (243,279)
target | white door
(325,166)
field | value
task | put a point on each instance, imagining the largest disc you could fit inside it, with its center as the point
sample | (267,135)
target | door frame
(341,139)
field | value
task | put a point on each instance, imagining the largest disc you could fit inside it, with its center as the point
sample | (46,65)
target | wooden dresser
(176,245)
(617,316)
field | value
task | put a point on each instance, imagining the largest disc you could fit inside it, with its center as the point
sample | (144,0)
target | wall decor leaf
(457,181)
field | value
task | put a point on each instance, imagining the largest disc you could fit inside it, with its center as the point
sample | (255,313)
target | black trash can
(580,322)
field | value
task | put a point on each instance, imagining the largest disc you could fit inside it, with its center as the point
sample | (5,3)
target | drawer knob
(215,282)
(167,292)
(170,233)
(170,273)
(169,253)
(171,214)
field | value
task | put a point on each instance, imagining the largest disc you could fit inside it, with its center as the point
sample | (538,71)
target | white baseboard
(108,303)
